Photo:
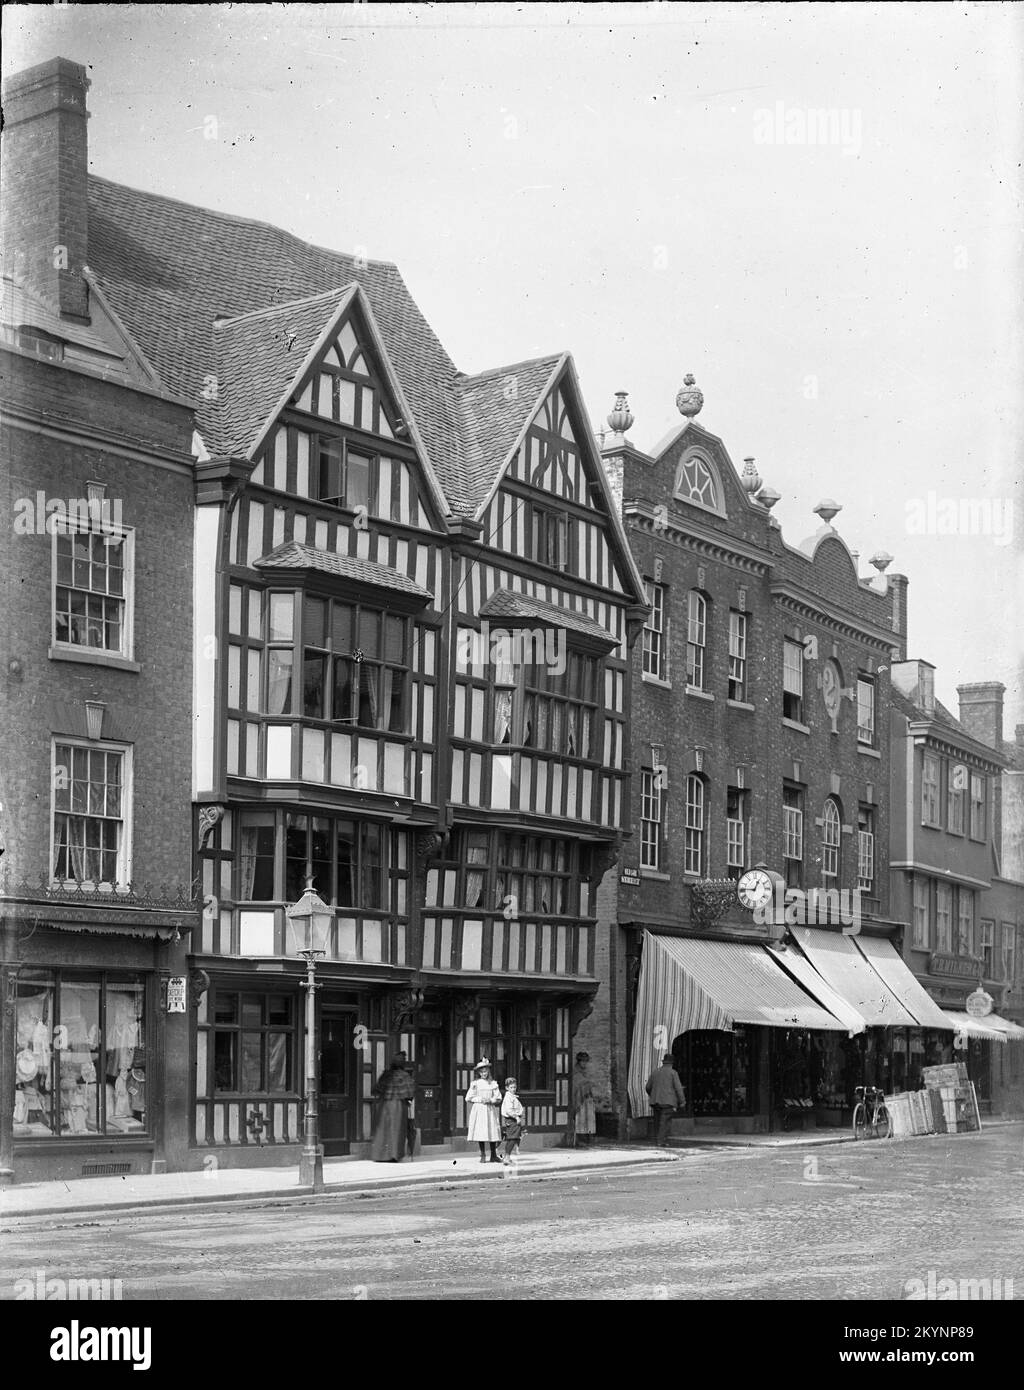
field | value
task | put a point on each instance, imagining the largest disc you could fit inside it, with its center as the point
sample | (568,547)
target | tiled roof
(494,407)
(296,556)
(171,269)
(503,603)
(258,356)
(941,714)
(21,307)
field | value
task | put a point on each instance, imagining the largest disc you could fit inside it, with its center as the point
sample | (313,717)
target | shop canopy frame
(687,984)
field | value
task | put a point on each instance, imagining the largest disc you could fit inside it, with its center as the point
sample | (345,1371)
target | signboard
(176,994)
(966,967)
(630,878)
(979,1004)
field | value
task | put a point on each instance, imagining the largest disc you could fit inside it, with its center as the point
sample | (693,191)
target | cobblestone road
(843,1222)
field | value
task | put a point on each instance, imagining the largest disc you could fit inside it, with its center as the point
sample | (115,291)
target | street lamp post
(309,928)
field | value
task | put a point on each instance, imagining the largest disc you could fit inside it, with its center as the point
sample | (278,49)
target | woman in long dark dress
(394,1090)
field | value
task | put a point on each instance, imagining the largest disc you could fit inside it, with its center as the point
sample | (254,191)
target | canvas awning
(802,970)
(884,958)
(686,984)
(838,961)
(1013,1032)
(974,1027)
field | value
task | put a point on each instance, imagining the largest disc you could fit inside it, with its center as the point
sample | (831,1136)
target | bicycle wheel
(882,1123)
(860,1121)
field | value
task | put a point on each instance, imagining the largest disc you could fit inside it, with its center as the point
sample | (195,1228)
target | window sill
(655,680)
(868,751)
(656,874)
(699,694)
(740,704)
(91,656)
(793,724)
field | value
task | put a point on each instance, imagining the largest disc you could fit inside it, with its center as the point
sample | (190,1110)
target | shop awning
(802,970)
(838,961)
(884,958)
(686,984)
(991,1027)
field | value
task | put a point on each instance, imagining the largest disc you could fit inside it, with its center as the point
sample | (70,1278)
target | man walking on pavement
(667,1094)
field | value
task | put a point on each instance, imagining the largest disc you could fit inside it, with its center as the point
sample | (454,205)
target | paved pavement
(876,1220)
(341,1176)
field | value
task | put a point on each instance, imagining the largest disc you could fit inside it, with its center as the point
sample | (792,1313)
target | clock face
(754,889)
(830,689)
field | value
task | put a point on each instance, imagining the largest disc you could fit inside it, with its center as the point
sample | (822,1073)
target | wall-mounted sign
(965,967)
(176,994)
(979,1003)
(630,878)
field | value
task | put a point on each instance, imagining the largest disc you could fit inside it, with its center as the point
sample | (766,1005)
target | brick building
(96,904)
(950,881)
(760,717)
(406,651)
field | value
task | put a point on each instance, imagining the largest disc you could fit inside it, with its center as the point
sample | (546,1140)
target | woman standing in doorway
(394,1090)
(484,1100)
(584,1112)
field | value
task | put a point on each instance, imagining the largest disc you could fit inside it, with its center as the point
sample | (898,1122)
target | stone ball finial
(690,398)
(881,560)
(827,509)
(768,497)
(620,420)
(750,478)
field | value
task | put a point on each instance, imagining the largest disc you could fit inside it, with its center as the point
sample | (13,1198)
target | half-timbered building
(410,617)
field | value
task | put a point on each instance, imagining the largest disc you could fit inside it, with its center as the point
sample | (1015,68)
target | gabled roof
(496,407)
(259,356)
(293,555)
(207,295)
(504,603)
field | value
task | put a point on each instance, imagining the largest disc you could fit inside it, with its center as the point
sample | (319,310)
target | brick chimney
(897,591)
(45,163)
(916,680)
(981,712)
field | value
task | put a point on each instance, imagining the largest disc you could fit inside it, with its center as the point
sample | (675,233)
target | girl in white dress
(484,1100)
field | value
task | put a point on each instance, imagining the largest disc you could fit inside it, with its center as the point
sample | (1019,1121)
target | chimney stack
(45,184)
(981,712)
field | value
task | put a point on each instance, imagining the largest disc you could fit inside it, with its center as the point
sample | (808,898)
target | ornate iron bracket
(710,900)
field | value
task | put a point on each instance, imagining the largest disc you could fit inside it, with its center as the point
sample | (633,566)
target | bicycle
(871,1119)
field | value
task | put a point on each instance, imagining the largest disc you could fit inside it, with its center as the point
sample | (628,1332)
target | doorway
(431,1070)
(338,1074)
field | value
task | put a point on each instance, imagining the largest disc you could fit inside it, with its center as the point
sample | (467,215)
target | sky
(816,209)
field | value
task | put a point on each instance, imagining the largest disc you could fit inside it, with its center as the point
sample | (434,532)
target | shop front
(94,1039)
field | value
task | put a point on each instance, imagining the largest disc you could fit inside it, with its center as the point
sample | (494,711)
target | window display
(80,1067)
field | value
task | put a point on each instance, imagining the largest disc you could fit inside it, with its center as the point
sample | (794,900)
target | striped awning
(836,958)
(884,958)
(974,1027)
(686,984)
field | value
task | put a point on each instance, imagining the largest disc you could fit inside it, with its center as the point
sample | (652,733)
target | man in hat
(667,1094)
(584,1114)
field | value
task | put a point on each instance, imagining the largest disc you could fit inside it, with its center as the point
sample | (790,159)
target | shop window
(93,577)
(252,1045)
(717,1071)
(496,1041)
(80,1057)
(91,798)
(533,1051)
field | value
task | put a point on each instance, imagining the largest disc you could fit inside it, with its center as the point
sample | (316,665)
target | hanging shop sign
(979,1004)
